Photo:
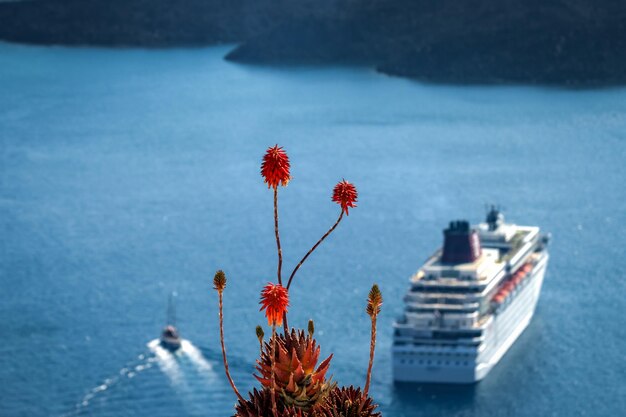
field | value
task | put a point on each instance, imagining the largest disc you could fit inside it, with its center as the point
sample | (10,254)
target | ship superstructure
(470,301)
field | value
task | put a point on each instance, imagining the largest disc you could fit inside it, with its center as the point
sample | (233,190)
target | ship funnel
(461,244)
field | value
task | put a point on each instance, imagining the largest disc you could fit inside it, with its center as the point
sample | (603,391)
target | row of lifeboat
(512,283)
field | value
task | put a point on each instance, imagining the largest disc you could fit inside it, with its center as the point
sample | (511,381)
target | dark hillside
(563,42)
(135,22)
(478,41)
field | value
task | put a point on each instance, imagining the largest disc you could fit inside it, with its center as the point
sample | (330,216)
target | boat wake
(195,356)
(176,364)
(129,371)
(166,361)
(189,375)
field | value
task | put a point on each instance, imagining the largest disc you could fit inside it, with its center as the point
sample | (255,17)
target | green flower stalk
(275,172)
(374,301)
(219,283)
(345,195)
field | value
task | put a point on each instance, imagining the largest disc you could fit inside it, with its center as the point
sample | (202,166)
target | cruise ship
(470,301)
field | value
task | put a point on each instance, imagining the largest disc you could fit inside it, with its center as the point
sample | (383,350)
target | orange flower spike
(274,300)
(345,195)
(275,167)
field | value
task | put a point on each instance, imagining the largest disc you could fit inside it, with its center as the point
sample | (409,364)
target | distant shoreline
(232,46)
(570,44)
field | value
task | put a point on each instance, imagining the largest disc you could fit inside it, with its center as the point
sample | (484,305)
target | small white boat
(170,339)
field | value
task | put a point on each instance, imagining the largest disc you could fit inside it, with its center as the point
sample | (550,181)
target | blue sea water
(128,174)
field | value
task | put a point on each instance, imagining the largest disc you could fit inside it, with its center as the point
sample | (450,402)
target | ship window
(450,273)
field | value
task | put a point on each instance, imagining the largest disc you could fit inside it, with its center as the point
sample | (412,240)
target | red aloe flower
(345,195)
(275,167)
(274,300)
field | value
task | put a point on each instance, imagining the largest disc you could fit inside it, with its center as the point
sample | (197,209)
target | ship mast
(171,310)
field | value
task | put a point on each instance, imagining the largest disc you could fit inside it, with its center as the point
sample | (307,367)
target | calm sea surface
(128,174)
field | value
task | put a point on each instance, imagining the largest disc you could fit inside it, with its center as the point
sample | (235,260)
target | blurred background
(131,137)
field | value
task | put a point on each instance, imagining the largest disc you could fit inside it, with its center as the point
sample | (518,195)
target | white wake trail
(167,362)
(127,372)
(190,374)
(195,356)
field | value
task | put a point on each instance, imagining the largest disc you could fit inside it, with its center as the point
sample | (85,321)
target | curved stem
(313,248)
(273,362)
(369,367)
(280,252)
(232,384)
(285,324)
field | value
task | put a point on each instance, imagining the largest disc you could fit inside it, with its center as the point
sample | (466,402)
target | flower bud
(374,301)
(219,281)
(260,333)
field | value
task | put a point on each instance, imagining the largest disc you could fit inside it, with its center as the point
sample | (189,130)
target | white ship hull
(468,364)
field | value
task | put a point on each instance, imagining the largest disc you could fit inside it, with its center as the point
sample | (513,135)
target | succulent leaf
(297,379)
(260,405)
(346,402)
